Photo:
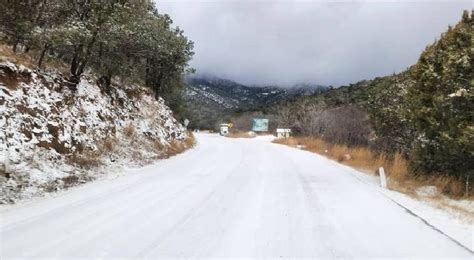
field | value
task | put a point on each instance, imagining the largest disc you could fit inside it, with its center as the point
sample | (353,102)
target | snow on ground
(455,225)
(53,132)
(226,198)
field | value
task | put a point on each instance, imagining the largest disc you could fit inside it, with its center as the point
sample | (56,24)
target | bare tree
(348,125)
(308,118)
(284,116)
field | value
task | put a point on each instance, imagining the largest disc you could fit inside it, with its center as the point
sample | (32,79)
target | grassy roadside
(91,159)
(178,147)
(396,168)
(241,135)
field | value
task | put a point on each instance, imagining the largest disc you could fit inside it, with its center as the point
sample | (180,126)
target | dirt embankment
(54,135)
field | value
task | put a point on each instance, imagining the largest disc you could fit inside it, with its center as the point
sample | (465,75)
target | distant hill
(212,99)
(424,112)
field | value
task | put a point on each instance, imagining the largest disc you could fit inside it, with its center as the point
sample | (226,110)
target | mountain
(211,99)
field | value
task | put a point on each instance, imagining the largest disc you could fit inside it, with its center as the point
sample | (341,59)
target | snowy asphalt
(225,198)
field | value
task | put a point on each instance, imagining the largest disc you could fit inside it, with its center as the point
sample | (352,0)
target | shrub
(129,130)
(87,160)
(441,104)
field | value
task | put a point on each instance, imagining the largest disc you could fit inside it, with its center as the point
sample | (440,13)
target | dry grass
(70,181)
(360,157)
(30,59)
(11,79)
(177,147)
(7,54)
(89,159)
(157,145)
(129,130)
(174,148)
(108,145)
(396,166)
(86,160)
(190,141)
(134,93)
(240,135)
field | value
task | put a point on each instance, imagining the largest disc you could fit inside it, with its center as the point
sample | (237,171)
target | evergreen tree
(441,103)
(128,39)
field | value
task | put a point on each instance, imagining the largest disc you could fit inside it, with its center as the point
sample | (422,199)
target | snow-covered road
(225,198)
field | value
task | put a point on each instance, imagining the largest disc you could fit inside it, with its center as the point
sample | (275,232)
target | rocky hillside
(211,99)
(54,134)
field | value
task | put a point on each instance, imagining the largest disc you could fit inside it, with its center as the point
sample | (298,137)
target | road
(224,198)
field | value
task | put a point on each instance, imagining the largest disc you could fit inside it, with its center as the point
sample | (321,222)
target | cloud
(288,42)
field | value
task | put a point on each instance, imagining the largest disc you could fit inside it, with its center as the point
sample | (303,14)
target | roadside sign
(260,125)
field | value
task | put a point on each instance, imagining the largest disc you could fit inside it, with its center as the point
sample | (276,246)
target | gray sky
(321,42)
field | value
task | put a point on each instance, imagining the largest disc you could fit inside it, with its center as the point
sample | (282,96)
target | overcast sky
(320,42)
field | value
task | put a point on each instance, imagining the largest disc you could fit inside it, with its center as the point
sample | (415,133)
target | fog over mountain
(322,42)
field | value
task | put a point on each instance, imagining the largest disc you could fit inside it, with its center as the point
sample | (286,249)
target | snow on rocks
(48,129)
(427,191)
(461,92)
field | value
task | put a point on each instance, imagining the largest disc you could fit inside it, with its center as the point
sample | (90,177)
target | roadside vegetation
(85,86)
(234,134)
(418,124)
(129,41)
(52,137)
(396,166)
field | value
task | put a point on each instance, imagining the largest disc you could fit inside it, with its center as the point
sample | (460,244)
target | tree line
(129,39)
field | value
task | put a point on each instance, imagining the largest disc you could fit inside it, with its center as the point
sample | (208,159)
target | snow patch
(44,123)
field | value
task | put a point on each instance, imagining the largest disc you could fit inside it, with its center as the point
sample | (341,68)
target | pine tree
(442,104)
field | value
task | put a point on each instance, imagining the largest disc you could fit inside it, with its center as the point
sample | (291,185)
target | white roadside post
(383,179)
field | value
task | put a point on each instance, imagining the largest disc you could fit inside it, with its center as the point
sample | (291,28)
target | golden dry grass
(129,130)
(396,167)
(30,59)
(176,146)
(6,54)
(359,157)
(108,145)
(240,135)
(86,160)
(89,159)
(190,140)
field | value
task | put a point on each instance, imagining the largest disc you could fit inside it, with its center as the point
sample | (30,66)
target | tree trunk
(105,81)
(41,57)
(79,63)
(75,61)
(15,46)
(148,73)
